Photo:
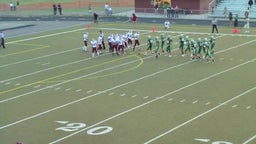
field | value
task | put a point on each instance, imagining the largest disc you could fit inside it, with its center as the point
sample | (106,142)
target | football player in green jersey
(169,45)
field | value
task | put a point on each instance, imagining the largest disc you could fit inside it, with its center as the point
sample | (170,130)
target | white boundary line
(200,115)
(202,33)
(156,99)
(249,140)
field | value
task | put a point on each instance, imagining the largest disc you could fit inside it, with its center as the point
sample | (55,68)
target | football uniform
(85,36)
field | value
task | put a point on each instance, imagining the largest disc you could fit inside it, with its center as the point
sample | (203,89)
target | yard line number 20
(71,127)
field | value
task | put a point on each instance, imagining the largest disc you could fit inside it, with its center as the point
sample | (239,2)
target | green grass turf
(137,98)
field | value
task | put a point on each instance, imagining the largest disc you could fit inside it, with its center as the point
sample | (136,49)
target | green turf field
(52,92)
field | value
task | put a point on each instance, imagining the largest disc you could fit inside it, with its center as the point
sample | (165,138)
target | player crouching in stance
(169,45)
(85,41)
(94,48)
(208,53)
(181,47)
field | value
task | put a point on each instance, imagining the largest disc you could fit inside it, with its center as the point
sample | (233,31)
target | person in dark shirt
(95,18)
(59,9)
(54,9)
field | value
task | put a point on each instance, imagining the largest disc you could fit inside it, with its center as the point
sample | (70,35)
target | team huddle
(118,44)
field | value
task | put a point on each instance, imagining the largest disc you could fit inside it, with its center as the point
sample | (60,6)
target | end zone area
(53,92)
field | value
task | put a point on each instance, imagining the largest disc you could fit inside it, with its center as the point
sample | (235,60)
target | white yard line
(70,80)
(161,97)
(250,140)
(44,36)
(200,115)
(36,58)
(179,32)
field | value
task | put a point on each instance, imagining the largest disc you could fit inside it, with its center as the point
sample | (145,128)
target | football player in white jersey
(129,38)
(94,47)
(100,44)
(85,41)
(136,41)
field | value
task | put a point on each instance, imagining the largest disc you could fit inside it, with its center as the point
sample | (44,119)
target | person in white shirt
(136,41)
(247,25)
(2,36)
(106,6)
(129,38)
(94,47)
(100,44)
(166,24)
(85,41)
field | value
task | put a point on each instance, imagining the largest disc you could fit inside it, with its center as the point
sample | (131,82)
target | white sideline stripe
(151,101)
(249,140)
(39,114)
(44,36)
(200,33)
(200,115)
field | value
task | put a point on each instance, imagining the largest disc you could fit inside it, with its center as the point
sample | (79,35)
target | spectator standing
(230,17)
(106,6)
(176,11)
(54,9)
(11,5)
(225,11)
(95,18)
(90,8)
(156,8)
(168,12)
(250,3)
(59,8)
(247,25)
(172,12)
(134,19)
(246,14)
(2,37)
(236,21)
(214,25)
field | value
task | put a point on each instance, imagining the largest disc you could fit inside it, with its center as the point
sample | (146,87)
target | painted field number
(213,142)
(71,127)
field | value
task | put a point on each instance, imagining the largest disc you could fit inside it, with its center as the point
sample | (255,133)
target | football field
(52,92)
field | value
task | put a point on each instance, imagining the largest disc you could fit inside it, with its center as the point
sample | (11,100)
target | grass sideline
(52,92)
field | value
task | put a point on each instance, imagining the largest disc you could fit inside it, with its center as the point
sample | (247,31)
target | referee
(214,25)
(2,39)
